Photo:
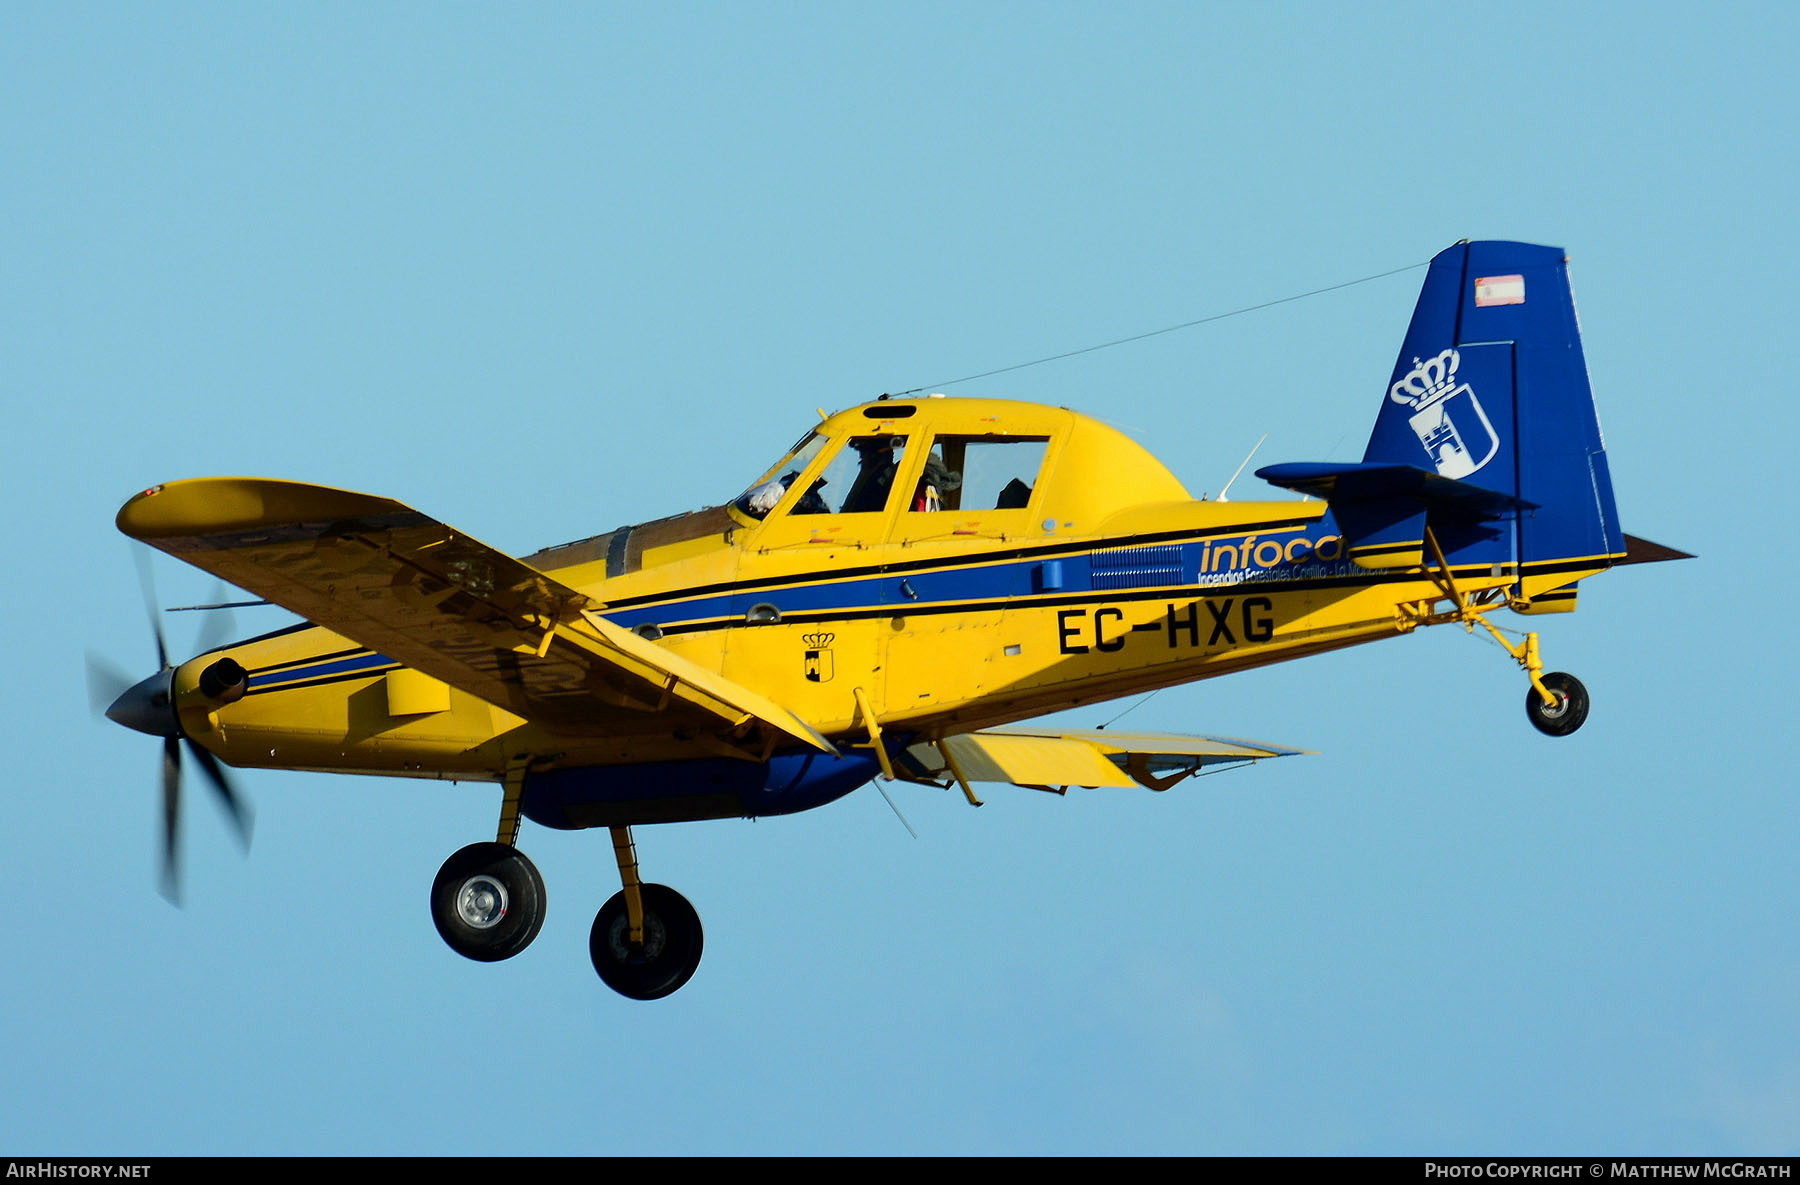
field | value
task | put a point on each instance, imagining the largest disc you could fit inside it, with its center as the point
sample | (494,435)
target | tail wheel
(488,902)
(666,958)
(1570,710)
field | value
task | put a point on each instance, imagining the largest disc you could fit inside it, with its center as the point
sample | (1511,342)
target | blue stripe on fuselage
(368,662)
(1276,552)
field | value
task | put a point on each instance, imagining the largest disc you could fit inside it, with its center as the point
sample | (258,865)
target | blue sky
(540,270)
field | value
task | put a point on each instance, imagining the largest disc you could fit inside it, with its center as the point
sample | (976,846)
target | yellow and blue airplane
(891,598)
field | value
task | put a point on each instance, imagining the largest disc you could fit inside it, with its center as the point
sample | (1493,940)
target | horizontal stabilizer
(1346,482)
(1642,551)
(1055,759)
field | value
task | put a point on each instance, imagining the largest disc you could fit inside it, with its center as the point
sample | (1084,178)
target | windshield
(856,480)
(766,494)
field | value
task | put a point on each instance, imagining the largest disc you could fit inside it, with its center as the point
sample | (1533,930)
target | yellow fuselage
(1091,576)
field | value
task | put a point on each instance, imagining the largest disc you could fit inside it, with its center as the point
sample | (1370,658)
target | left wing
(401,583)
(1055,759)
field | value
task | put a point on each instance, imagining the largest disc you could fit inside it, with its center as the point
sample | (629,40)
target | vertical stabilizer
(1491,389)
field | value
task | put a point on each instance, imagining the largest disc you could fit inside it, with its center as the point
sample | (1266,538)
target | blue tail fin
(1487,430)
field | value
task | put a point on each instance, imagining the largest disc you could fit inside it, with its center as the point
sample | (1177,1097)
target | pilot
(874,474)
(937,480)
(812,501)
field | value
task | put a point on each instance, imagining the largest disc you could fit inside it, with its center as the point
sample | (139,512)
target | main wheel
(1571,705)
(488,902)
(670,951)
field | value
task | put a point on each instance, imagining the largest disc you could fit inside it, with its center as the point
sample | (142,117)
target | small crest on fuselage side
(818,660)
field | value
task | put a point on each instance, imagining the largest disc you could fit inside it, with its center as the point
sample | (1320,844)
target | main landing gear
(488,904)
(646,939)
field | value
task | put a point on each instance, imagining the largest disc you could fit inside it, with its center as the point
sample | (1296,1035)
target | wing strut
(874,726)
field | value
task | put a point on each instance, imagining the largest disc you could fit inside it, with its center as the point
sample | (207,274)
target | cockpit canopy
(960,472)
(931,472)
(1033,467)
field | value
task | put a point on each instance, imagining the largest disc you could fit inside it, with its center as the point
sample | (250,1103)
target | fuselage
(941,565)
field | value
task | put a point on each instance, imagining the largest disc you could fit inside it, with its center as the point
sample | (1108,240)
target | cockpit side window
(970,473)
(858,479)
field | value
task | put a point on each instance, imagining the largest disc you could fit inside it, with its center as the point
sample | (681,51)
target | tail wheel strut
(1557,704)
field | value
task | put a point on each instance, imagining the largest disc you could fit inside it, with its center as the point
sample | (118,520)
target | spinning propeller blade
(105,683)
(148,707)
(171,803)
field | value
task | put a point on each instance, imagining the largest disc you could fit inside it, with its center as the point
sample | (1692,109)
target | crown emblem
(819,666)
(1428,381)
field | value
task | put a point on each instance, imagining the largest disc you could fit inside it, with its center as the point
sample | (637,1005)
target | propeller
(148,706)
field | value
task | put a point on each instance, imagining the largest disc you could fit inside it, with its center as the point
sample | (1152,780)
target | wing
(1055,759)
(400,582)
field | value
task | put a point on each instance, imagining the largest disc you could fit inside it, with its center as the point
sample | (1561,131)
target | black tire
(668,956)
(488,902)
(1571,709)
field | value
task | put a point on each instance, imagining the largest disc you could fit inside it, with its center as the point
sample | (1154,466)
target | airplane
(895,598)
